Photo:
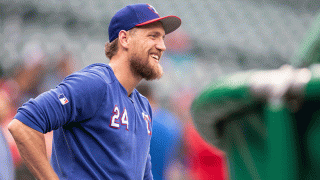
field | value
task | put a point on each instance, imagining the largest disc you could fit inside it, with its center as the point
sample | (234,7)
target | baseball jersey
(99,132)
(165,142)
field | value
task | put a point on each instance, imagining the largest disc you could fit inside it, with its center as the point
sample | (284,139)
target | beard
(143,68)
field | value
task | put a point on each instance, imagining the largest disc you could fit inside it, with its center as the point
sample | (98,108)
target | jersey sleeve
(148,173)
(75,99)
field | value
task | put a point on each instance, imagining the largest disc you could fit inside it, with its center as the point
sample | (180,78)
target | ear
(124,38)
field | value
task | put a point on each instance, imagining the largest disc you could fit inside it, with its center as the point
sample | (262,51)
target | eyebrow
(157,33)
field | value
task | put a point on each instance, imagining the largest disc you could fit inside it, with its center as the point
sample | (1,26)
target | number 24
(114,121)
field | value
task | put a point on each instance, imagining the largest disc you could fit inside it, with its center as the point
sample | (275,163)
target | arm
(32,148)
(46,113)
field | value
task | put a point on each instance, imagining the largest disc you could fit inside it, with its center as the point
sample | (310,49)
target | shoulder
(143,101)
(97,71)
(142,98)
(91,79)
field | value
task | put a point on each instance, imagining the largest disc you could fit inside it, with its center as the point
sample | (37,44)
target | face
(146,49)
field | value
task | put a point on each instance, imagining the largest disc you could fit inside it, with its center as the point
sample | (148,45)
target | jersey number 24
(124,120)
(114,121)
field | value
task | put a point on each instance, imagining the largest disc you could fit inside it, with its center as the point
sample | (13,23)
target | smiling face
(146,50)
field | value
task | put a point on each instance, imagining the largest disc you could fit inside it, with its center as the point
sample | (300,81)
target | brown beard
(144,69)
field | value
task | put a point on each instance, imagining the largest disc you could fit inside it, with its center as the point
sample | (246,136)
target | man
(102,125)
(6,156)
(166,142)
(6,163)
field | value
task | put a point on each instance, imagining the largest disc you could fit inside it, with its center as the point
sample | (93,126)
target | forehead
(155,26)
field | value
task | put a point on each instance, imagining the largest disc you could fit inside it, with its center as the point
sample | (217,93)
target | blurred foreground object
(267,122)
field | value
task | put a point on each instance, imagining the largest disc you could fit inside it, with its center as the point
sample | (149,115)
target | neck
(123,73)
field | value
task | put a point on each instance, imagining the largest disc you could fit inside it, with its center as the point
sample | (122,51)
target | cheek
(143,47)
(148,44)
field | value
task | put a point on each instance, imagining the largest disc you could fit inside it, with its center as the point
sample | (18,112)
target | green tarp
(267,122)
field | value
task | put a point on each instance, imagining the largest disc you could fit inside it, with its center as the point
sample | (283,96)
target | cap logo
(153,9)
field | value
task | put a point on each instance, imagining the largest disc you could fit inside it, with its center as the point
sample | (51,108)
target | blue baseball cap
(139,15)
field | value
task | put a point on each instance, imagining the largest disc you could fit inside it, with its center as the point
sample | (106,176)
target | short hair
(111,48)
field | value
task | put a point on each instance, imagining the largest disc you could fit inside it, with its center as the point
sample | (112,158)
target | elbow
(11,126)
(19,130)
(14,126)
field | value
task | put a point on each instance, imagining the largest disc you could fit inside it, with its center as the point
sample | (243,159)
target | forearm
(32,148)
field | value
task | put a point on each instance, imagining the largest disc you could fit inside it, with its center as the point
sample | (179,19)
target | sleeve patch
(63,99)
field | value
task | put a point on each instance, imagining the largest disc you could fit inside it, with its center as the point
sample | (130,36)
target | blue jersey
(6,162)
(165,142)
(99,132)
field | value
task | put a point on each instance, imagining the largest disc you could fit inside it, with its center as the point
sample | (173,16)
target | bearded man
(102,125)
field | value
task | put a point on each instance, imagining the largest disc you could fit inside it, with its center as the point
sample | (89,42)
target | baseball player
(102,125)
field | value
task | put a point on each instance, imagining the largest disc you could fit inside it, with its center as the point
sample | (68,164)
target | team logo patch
(152,9)
(63,99)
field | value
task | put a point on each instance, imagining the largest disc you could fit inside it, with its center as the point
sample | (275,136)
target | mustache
(156,52)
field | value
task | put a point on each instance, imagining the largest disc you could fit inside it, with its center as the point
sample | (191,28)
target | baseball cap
(139,15)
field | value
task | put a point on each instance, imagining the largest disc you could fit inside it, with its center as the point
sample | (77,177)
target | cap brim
(170,23)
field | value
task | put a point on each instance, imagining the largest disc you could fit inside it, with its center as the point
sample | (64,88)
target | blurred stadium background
(227,36)
(217,37)
(232,34)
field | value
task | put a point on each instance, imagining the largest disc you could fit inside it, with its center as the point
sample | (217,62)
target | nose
(161,45)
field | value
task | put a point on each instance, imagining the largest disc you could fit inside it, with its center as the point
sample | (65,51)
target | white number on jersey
(124,119)
(115,117)
(114,123)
